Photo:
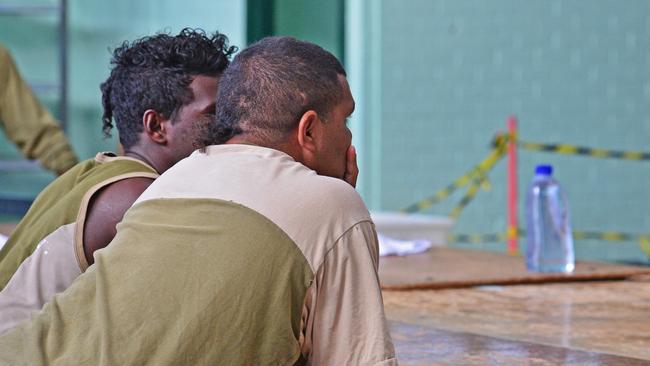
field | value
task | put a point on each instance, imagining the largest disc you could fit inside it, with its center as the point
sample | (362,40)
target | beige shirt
(343,313)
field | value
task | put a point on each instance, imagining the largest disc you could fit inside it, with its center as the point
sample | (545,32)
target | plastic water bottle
(550,239)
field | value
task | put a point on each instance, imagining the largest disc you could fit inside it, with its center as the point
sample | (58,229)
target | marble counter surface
(590,323)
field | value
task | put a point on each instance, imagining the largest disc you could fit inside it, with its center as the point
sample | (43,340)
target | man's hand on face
(351,168)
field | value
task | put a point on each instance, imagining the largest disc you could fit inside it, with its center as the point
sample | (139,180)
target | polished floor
(585,323)
(417,345)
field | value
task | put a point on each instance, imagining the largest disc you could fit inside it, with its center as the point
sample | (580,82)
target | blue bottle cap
(544,170)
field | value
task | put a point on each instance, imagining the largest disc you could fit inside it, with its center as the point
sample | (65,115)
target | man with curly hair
(252,252)
(160,92)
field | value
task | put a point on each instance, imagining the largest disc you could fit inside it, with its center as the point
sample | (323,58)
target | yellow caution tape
(512,232)
(468,197)
(477,176)
(578,235)
(477,239)
(585,151)
(644,243)
(610,236)
(605,236)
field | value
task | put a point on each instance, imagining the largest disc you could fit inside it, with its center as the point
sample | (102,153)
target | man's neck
(286,147)
(138,154)
(242,140)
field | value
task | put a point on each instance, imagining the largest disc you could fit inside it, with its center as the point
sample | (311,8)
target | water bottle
(550,240)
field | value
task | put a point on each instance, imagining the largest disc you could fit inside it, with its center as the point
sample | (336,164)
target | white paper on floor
(391,246)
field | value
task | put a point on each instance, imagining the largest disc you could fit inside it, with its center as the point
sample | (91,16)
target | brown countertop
(444,267)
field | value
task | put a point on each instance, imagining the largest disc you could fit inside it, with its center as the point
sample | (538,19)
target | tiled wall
(572,71)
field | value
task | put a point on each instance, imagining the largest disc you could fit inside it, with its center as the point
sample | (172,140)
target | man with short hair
(254,252)
(160,90)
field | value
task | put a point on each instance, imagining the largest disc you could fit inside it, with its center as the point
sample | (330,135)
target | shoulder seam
(338,239)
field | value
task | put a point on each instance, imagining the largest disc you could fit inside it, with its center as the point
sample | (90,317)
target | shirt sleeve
(28,124)
(344,321)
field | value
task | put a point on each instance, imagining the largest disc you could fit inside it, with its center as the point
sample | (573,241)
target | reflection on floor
(589,323)
(419,345)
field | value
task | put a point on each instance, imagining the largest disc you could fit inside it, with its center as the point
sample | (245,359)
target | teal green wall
(315,21)
(437,78)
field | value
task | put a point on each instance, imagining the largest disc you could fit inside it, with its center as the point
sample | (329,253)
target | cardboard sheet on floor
(444,267)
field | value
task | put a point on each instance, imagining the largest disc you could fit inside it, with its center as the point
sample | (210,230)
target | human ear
(307,131)
(155,126)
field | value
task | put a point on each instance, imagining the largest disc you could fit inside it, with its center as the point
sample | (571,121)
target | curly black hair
(155,73)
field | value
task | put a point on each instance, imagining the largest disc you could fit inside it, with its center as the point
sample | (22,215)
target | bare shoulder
(106,209)
(128,189)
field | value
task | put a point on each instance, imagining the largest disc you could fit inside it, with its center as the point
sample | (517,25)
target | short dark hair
(270,85)
(155,73)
